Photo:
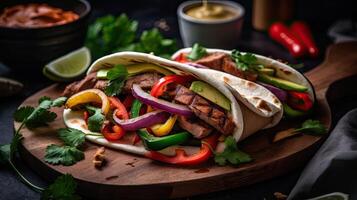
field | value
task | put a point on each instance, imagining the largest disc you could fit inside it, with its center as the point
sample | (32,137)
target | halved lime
(68,66)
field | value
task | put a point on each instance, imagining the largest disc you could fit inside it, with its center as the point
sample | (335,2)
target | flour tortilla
(248,116)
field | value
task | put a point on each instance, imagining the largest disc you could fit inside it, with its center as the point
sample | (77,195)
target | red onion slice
(160,104)
(279,93)
(143,121)
(197,65)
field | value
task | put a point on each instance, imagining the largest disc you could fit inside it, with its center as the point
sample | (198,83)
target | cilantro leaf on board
(95,121)
(23,113)
(197,52)
(63,188)
(231,154)
(71,137)
(4,153)
(314,127)
(64,155)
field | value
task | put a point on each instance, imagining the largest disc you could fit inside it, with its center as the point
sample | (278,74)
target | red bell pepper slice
(299,100)
(128,101)
(160,86)
(121,113)
(281,34)
(303,32)
(182,58)
(86,116)
(208,144)
(113,133)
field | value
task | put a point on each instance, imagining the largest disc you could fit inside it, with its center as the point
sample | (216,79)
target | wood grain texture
(127,176)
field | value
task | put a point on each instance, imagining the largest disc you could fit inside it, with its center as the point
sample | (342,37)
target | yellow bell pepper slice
(89,96)
(165,128)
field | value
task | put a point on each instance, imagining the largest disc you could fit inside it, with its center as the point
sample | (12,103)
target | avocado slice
(281,83)
(207,91)
(267,71)
(137,69)
(292,113)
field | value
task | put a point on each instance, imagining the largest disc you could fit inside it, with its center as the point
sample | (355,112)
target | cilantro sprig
(116,76)
(245,61)
(69,153)
(111,34)
(310,127)
(63,188)
(197,52)
(231,154)
(30,117)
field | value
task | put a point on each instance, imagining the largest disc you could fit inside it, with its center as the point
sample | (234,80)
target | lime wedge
(68,66)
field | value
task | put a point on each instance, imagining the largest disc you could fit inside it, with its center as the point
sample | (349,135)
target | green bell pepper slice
(158,143)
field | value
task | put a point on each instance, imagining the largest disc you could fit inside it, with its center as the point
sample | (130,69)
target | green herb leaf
(44,98)
(63,188)
(314,127)
(64,155)
(71,137)
(231,154)
(59,102)
(197,52)
(245,61)
(95,121)
(23,113)
(117,72)
(40,117)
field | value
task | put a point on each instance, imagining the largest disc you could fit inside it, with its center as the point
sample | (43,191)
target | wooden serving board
(128,176)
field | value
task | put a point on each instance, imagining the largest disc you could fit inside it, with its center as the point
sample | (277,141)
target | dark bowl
(33,47)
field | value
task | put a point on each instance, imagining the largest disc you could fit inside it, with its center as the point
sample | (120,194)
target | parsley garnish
(31,117)
(71,137)
(63,188)
(95,121)
(231,154)
(116,76)
(313,127)
(65,155)
(245,61)
(197,52)
(111,34)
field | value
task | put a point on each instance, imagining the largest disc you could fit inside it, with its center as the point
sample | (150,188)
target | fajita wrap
(252,106)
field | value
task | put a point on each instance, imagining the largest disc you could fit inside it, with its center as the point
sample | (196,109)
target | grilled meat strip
(205,110)
(146,81)
(87,83)
(195,126)
(223,62)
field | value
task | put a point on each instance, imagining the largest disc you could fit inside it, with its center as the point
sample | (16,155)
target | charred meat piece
(101,84)
(223,62)
(213,61)
(184,95)
(212,115)
(195,126)
(205,110)
(87,83)
(145,81)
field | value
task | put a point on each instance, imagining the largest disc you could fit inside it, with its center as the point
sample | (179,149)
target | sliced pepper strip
(113,133)
(300,101)
(207,145)
(157,143)
(115,103)
(156,91)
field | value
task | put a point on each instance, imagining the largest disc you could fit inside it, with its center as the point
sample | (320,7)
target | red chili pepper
(303,32)
(136,139)
(121,113)
(128,101)
(159,87)
(181,158)
(281,34)
(112,133)
(300,101)
(86,116)
(182,58)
